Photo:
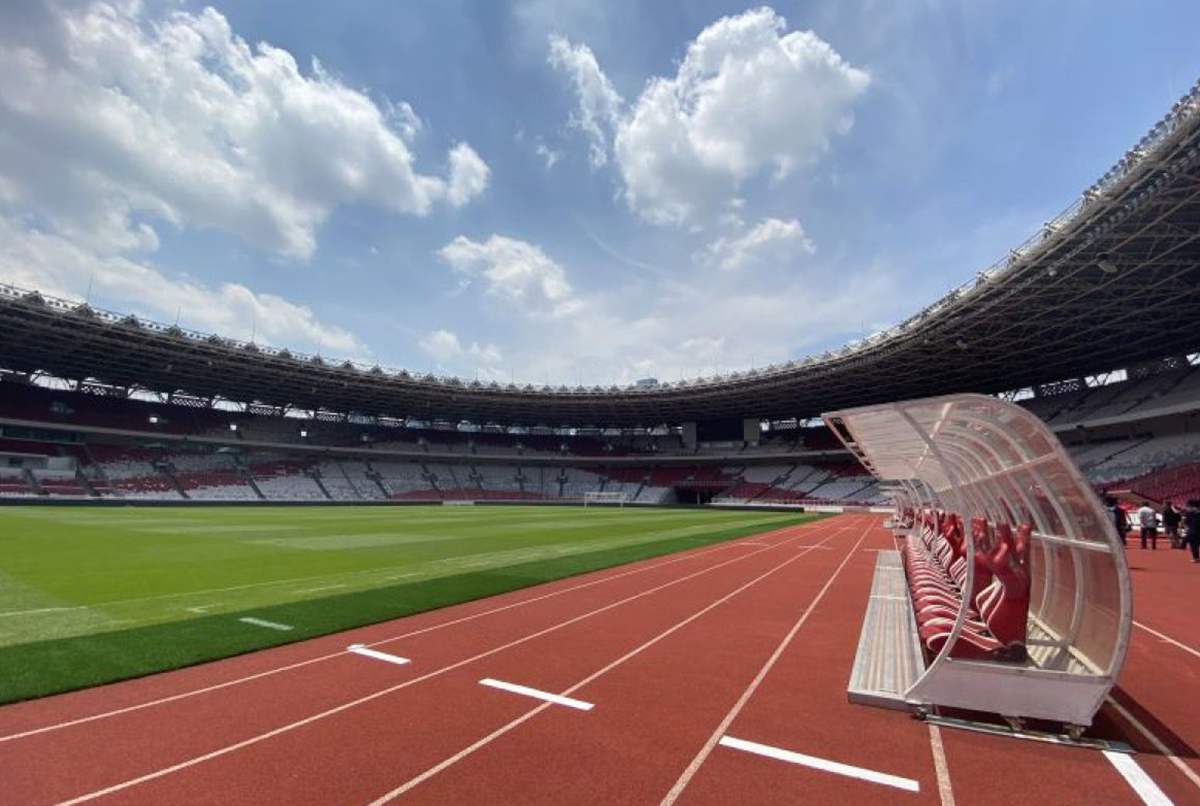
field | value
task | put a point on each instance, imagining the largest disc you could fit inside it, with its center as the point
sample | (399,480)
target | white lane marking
(691,769)
(1137,778)
(261,622)
(940,767)
(321,658)
(836,767)
(555,699)
(361,649)
(496,734)
(748,543)
(323,588)
(337,709)
(1158,743)
(1168,639)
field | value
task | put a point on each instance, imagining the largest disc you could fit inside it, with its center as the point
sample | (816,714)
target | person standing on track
(1170,519)
(1191,522)
(1120,521)
(1148,520)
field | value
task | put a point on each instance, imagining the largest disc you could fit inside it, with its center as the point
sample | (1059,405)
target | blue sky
(563,191)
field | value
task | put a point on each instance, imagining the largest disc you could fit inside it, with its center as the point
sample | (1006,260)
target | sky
(556,192)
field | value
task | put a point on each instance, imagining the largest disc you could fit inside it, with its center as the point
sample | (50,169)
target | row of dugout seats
(936,565)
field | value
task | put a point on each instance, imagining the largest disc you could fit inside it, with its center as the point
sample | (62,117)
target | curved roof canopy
(1113,281)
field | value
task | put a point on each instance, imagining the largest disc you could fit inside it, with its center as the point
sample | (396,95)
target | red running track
(679,657)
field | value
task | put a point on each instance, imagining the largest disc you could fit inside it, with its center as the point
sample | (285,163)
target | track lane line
(1168,639)
(823,764)
(367,652)
(940,767)
(1137,778)
(512,725)
(1158,743)
(227,749)
(692,768)
(537,694)
(690,555)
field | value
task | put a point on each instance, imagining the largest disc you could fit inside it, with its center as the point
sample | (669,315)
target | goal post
(609,498)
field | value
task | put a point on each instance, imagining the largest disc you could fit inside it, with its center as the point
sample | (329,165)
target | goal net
(597,497)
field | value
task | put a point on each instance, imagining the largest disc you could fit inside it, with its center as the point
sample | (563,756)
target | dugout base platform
(888,660)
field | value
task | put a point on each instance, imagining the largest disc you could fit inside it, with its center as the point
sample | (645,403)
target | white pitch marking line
(360,649)
(1168,639)
(270,625)
(1137,778)
(836,767)
(202,608)
(537,694)
(323,588)
(11,613)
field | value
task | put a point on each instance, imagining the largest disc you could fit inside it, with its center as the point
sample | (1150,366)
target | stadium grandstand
(955,468)
(1054,325)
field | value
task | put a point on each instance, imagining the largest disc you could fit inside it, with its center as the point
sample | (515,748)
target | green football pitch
(94,594)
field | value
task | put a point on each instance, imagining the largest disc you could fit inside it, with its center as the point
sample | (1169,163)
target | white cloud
(445,347)
(54,265)
(748,97)
(111,121)
(442,345)
(548,154)
(701,348)
(515,270)
(469,175)
(599,104)
(770,238)
(692,322)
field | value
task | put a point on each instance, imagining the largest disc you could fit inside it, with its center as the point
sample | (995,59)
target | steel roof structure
(1112,282)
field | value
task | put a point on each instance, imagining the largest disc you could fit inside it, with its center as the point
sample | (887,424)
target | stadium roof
(1113,281)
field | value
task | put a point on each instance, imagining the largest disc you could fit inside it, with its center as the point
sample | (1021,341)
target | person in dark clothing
(1191,525)
(1170,520)
(1120,522)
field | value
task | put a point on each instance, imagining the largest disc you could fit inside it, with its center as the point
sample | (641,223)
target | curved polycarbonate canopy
(979,456)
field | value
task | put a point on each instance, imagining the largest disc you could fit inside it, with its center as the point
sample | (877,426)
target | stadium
(887,572)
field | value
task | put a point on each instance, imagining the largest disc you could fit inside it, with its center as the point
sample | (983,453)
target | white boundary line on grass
(262,622)
(337,709)
(321,658)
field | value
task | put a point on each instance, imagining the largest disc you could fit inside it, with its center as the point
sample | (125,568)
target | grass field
(94,594)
